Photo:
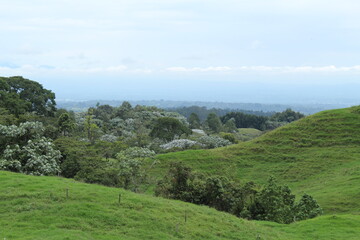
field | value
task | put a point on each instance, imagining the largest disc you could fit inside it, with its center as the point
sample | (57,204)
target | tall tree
(20,95)
(65,124)
(230,125)
(213,122)
(194,121)
(90,127)
(167,128)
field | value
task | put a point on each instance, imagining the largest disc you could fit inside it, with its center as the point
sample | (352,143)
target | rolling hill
(319,155)
(38,208)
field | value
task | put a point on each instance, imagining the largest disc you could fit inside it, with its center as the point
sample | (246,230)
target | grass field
(37,208)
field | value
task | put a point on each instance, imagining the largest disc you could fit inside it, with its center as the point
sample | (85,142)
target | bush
(135,152)
(229,136)
(213,141)
(273,203)
(180,144)
(276,203)
(307,208)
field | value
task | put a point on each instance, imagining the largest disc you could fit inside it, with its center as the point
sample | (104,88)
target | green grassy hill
(37,208)
(319,155)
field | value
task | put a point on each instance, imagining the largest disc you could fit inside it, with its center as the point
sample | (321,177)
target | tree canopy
(20,95)
(167,128)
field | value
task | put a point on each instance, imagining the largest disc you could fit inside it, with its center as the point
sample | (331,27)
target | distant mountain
(166,104)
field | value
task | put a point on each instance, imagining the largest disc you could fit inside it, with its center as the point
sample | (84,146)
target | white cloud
(300,69)
(198,69)
(275,69)
(119,69)
(110,69)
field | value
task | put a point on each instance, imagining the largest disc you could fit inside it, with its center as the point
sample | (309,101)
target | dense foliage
(271,203)
(25,149)
(287,116)
(243,120)
(19,95)
(167,128)
(203,112)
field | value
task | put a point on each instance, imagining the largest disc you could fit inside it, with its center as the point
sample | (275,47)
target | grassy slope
(319,154)
(246,134)
(37,208)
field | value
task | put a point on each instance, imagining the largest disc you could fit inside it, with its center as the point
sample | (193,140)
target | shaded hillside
(319,154)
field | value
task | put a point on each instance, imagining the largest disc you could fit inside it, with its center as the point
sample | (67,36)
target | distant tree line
(203,112)
(233,120)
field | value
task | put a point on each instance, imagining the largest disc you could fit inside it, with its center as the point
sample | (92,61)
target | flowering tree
(26,150)
(130,166)
(213,141)
(180,144)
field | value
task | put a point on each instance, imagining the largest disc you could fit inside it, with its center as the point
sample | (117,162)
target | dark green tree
(176,183)
(6,118)
(274,203)
(167,128)
(243,120)
(20,95)
(92,130)
(230,126)
(307,208)
(213,122)
(124,111)
(194,121)
(65,124)
(287,116)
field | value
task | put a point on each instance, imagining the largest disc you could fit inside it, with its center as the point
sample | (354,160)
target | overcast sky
(231,50)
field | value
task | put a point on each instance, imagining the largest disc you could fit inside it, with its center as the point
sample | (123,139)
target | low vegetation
(270,202)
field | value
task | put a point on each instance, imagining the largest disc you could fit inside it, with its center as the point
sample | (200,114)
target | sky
(267,51)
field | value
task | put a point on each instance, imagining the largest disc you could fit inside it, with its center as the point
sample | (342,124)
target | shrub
(180,144)
(135,152)
(273,203)
(307,208)
(229,136)
(213,141)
